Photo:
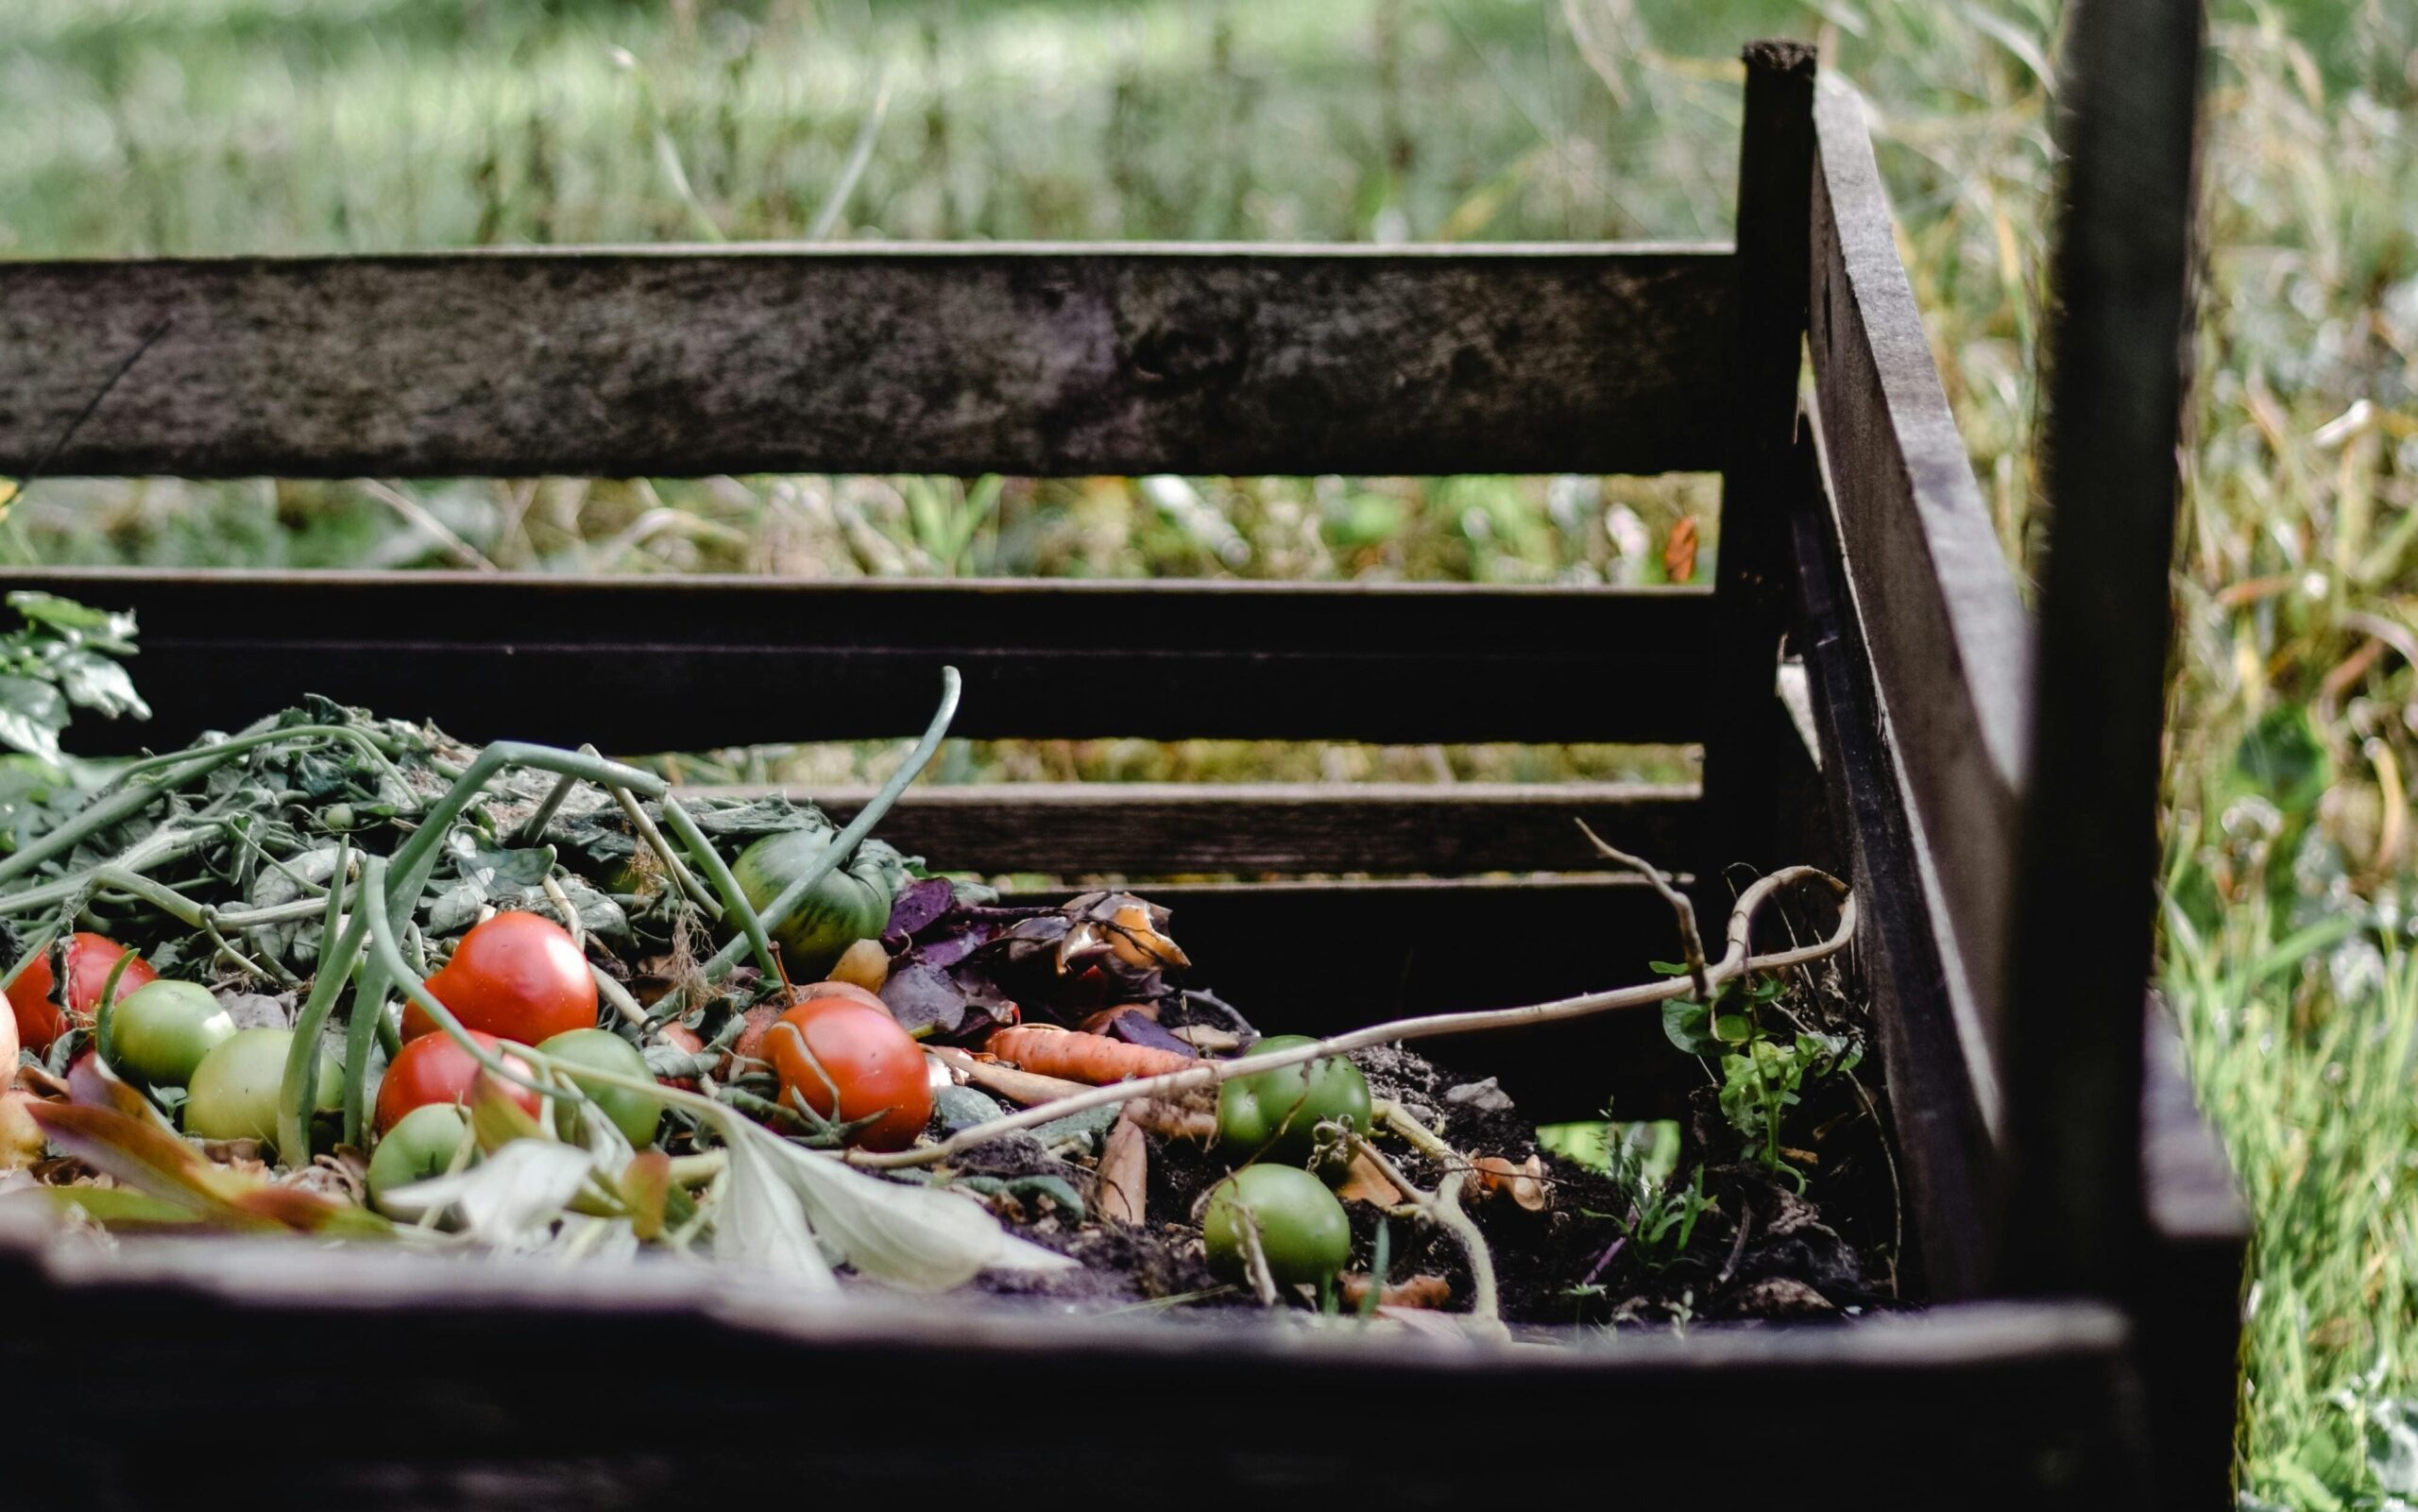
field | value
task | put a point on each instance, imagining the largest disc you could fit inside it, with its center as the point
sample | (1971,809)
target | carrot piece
(1093,1059)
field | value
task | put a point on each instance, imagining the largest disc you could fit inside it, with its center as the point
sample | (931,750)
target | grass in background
(333,125)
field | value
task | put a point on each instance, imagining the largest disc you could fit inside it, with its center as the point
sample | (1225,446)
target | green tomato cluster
(159,1033)
(1275,1115)
(234,1089)
(1301,1228)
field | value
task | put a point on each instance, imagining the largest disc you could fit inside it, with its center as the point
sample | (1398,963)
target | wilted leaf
(510,1197)
(920,1238)
(760,1222)
(924,1000)
(151,1160)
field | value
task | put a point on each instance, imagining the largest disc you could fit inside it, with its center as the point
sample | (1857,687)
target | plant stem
(674,867)
(735,904)
(778,911)
(1734,962)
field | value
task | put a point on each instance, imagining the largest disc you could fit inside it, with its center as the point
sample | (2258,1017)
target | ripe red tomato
(89,960)
(863,1052)
(436,1069)
(518,976)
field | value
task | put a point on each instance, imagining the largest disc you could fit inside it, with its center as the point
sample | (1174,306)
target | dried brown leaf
(1680,552)
(1366,1182)
(1427,1291)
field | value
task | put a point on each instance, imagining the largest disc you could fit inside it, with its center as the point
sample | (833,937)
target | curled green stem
(733,897)
(339,954)
(777,913)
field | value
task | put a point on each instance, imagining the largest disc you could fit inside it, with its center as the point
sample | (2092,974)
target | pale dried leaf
(759,1221)
(510,1197)
(920,1238)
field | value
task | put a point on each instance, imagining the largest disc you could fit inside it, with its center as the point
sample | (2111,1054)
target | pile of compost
(341,976)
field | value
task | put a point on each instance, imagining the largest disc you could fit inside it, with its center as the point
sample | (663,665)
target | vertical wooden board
(1947,637)
(1775,171)
(1948,1158)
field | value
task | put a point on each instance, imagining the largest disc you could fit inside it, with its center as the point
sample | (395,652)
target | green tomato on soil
(633,1114)
(1303,1230)
(159,1033)
(418,1147)
(1275,1115)
(234,1090)
(848,904)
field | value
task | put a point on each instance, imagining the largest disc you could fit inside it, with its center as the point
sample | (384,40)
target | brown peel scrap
(1522,1183)
(1425,1291)
(1367,1183)
(1124,1173)
(21,1138)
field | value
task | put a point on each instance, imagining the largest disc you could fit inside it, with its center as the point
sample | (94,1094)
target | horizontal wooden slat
(1948,638)
(1170,829)
(2002,1406)
(652,664)
(954,358)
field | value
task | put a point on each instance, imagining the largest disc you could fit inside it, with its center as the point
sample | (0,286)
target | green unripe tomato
(840,911)
(234,1090)
(159,1033)
(633,1114)
(1275,1115)
(1301,1226)
(419,1147)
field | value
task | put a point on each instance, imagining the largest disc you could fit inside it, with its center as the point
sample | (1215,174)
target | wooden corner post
(1774,209)
(2085,886)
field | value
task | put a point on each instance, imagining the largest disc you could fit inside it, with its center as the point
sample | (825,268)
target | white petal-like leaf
(759,1221)
(920,1238)
(522,1187)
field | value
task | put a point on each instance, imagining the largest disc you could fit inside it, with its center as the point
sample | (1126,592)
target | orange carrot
(1094,1058)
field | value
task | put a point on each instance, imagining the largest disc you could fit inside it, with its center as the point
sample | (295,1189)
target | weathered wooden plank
(944,358)
(650,664)
(1948,639)
(1950,1167)
(2190,1299)
(1775,173)
(2010,1407)
(1177,829)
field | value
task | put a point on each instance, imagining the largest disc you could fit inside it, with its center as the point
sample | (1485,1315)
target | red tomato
(436,1069)
(863,1053)
(89,960)
(518,976)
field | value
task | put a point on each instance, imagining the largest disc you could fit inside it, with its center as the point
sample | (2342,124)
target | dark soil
(1762,1248)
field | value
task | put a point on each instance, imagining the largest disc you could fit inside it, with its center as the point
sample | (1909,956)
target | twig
(1442,1207)
(1735,962)
(1256,1259)
(1690,940)
(416,514)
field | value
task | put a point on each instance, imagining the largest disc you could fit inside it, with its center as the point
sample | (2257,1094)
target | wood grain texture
(945,358)
(1948,638)
(1952,1167)
(638,665)
(2010,1407)
(1173,829)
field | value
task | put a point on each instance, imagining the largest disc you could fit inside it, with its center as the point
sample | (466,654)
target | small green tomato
(1303,1230)
(421,1145)
(1275,1115)
(234,1090)
(159,1033)
(633,1114)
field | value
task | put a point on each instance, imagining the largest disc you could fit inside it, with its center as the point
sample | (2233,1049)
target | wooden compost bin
(2068,1217)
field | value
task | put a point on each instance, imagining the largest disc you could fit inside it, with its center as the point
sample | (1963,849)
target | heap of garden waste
(342,976)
